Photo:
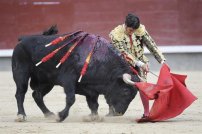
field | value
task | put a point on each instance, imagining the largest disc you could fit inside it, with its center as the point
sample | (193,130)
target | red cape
(170,94)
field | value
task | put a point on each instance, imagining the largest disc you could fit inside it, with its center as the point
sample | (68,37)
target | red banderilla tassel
(64,58)
(56,41)
(59,39)
(83,71)
(50,55)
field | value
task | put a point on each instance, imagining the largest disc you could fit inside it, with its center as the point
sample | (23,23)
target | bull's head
(123,92)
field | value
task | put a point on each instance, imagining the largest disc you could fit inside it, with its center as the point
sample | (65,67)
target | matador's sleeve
(152,47)
(118,43)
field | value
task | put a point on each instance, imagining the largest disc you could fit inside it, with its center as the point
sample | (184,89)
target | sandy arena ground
(189,122)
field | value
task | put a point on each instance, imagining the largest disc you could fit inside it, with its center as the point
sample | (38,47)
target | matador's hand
(145,68)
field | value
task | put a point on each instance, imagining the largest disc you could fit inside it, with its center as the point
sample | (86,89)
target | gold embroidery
(140,31)
(122,42)
(118,33)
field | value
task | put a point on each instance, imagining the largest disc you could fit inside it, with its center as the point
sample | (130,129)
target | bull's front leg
(93,105)
(70,99)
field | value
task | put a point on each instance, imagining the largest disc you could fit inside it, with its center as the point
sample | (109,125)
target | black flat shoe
(143,119)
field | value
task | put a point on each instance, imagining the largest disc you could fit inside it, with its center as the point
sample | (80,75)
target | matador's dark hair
(132,21)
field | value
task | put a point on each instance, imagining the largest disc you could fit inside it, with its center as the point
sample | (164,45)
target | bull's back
(32,49)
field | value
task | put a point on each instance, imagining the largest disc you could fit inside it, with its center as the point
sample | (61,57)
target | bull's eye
(126,92)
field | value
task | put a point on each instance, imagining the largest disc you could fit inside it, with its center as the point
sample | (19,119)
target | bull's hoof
(59,117)
(91,118)
(21,118)
(50,115)
(114,114)
(109,114)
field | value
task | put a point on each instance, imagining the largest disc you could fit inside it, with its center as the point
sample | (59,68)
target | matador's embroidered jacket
(135,51)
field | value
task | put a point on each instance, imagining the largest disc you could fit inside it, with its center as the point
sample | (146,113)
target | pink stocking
(145,102)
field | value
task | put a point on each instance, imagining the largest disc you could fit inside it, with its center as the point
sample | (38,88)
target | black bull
(103,76)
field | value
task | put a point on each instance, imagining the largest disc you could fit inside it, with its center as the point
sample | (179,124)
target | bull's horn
(127,79)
